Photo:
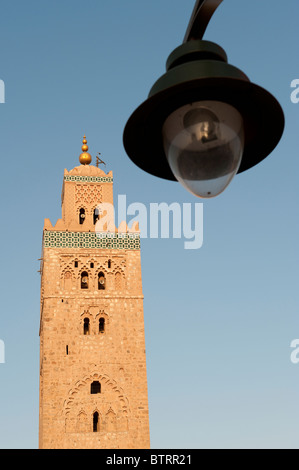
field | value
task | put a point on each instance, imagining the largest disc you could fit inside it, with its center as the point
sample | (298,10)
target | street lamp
(203,121)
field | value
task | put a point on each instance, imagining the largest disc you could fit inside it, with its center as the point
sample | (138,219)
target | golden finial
(85,158)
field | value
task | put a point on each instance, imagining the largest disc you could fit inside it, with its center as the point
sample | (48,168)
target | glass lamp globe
(204,143)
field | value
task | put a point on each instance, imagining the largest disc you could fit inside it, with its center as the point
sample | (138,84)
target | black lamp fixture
(203,121)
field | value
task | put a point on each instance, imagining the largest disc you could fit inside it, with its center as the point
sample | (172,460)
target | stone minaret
(93,384)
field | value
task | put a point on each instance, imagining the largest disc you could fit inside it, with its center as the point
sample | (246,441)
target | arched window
(86,326)
(84,280)
(101,325)
(95,387)
(95,422)
(95,215)
(109,263)
(81,216)
(101,281)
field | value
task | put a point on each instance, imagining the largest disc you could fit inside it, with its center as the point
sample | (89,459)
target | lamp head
(203,121)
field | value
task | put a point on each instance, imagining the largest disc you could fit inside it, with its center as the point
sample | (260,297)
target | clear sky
(219,320)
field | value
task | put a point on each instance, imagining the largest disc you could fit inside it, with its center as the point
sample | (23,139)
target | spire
(84,158)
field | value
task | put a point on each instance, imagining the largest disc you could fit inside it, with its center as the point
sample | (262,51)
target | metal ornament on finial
(99,160)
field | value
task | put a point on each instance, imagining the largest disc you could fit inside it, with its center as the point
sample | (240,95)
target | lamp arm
(201,15)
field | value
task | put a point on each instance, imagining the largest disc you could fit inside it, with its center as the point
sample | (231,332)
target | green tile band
(89,179)
(126,241)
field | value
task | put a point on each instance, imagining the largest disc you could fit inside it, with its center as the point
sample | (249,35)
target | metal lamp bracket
(200,18)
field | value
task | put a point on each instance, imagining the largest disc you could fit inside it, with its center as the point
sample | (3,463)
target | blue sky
(219,320)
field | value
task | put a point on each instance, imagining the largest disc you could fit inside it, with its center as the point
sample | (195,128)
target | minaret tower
(93,384)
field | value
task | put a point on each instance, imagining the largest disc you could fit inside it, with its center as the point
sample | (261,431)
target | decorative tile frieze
(108,240)
(89,179)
